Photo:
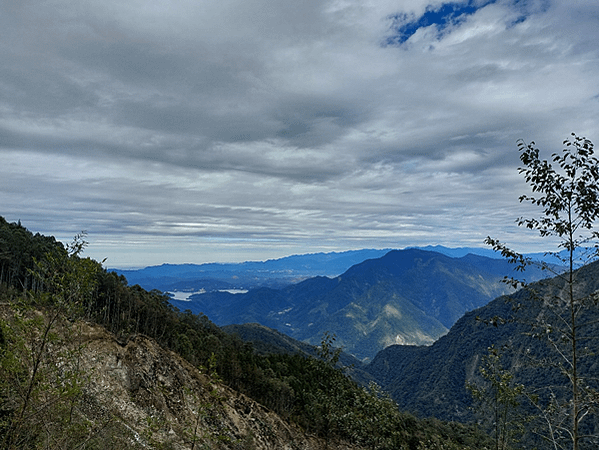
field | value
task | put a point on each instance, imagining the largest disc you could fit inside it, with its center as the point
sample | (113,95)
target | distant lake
(184,295)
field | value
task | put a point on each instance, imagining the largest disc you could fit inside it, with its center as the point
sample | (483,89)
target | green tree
(567,192)
(374,419)
(326,397)
(41,381)
(500,396)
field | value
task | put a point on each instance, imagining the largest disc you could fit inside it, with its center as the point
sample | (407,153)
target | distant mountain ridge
(407,296)
(275,273)
(246,275)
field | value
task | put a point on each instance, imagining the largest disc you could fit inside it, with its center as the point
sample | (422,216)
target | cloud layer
(191,131)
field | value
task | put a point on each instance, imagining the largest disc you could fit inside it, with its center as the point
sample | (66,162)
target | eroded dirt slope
(163,402)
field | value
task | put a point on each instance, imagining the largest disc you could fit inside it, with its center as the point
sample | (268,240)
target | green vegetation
(40,379)
(498,401)
(46,288)
(568,196)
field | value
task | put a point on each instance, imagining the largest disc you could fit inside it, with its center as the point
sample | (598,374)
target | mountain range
(246,275)
(409,296)
(427,380)
(431,381)
(187,278)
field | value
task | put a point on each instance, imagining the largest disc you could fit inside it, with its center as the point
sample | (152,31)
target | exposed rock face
(162,401)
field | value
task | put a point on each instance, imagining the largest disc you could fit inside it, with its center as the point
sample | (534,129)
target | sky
(195,131)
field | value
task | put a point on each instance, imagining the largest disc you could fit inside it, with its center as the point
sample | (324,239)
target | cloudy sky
(202,130)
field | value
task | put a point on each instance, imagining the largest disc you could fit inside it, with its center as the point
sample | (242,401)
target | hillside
(87,361)
(267,341)
(140,395)
(404,297)
(430,381)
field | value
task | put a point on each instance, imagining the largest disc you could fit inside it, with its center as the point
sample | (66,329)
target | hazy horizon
(231,131)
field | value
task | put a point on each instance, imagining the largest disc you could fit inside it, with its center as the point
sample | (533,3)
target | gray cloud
(186,131)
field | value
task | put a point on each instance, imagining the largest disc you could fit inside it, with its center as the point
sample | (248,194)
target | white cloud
(281,126)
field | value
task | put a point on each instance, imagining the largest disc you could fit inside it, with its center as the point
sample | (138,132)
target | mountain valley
(409,297)
(89,361)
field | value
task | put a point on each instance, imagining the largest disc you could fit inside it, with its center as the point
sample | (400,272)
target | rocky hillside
(102,392)
(158,399)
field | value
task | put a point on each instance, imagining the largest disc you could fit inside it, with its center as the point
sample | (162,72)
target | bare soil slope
(164,402)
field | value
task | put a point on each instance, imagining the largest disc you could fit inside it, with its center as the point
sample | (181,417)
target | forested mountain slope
(407,296)
(431,381)
(87,361)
